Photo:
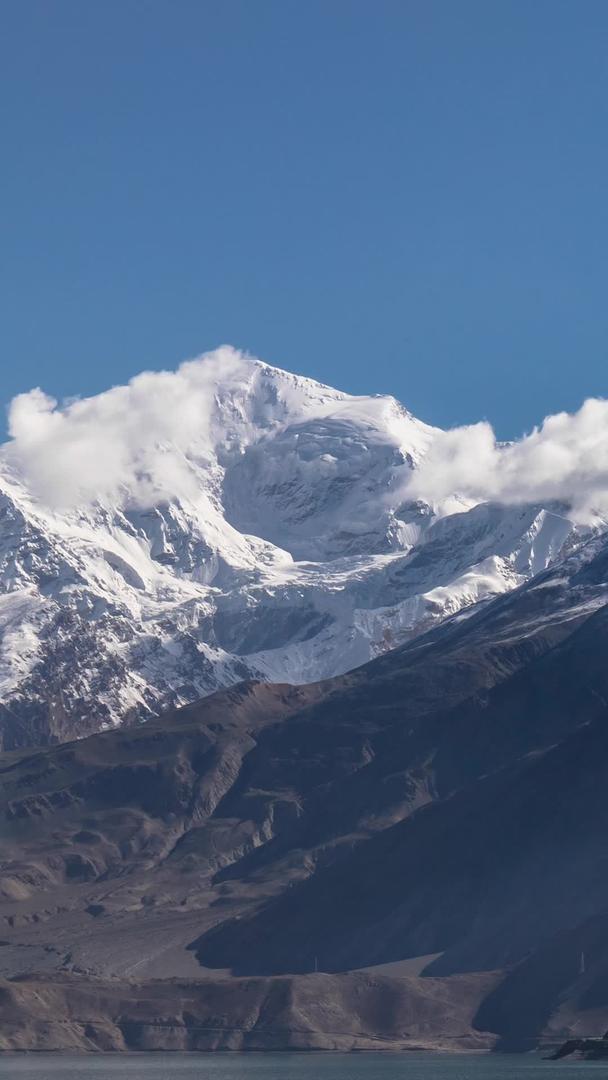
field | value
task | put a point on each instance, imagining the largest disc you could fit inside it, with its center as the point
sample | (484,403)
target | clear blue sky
(405,196)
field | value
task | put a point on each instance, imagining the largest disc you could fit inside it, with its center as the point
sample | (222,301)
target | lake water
(286,1066)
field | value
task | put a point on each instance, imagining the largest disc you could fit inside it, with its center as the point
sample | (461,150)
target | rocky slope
(275,542)
(445,806)
(486,764)
(311,1012)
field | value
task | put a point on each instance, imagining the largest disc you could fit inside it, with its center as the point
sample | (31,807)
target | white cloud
(565,459)
(127,442)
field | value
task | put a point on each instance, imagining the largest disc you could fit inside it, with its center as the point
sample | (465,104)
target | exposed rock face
(291,555)
(448,800)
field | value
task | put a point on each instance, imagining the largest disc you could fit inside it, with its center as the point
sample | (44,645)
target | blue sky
(404,197)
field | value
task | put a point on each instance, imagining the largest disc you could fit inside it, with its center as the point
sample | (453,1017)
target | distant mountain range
(293,554)
(413,853)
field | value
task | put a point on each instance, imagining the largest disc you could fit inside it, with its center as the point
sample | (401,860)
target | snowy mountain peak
(223,521)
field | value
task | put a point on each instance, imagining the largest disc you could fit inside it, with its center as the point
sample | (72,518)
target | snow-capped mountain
(257,524)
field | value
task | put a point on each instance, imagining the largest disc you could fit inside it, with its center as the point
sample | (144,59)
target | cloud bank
(141,443)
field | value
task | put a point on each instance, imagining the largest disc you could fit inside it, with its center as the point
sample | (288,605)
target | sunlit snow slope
(285,551)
